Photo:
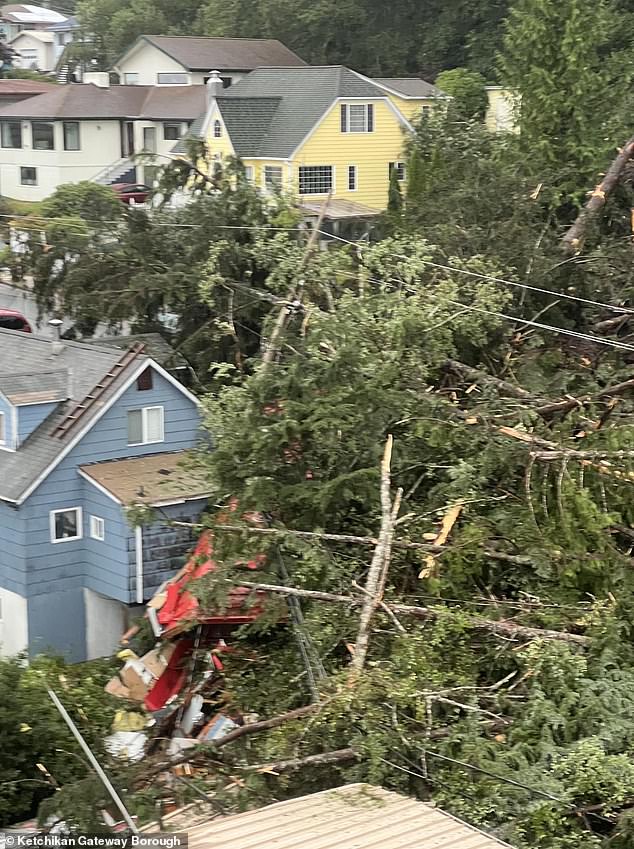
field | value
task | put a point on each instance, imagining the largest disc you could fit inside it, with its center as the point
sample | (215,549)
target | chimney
(58,346)
(99,78)
(213,86)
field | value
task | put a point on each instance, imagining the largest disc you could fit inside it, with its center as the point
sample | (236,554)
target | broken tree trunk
(573,240)
(380,562)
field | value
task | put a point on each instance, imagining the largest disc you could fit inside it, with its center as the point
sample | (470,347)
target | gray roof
(155,346)
(229,54)
(64,26)
(35,387)
(410,86)
(355,816)
(84,366)
(87,101)
(286,103)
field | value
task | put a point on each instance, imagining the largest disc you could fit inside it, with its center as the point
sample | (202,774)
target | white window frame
(131,78)
(144,424)
(366,107)
(249,173)
(179,130)
(401,170)
(353,169)
(24,168)
(217,128)
(272,186)
(97,528)
(172,74)
(80,528)
(321,192)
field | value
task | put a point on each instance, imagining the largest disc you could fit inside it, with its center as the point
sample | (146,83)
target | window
(248,172)
(71,135)
(3,439)
(28,176)
(226,81)
(357,118)
(426,110)
(66,524)
(315,179)
(400,170)
(352,178)
(144,380)
(172,79)
(272,176)
(11,134)
(171,132)
(145,426)
(217,129)
(43,137)
(97,528)
(130,79)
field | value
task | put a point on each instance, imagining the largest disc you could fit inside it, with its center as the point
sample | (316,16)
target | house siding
(9,413)
(370,152)
(12,549)
(147,61)
(411,109)
(31,416)
(57,624)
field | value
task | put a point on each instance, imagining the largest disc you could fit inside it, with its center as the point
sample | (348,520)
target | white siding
(100,146)
(13,623)
(147,61)
(105,622)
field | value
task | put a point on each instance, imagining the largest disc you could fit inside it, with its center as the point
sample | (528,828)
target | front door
(149,139)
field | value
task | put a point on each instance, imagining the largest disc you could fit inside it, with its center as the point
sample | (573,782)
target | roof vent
(56,325)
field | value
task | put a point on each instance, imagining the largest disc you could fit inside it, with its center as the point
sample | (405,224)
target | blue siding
(65,565)
(32,416)
(57,624)
(12,549)
(8,410)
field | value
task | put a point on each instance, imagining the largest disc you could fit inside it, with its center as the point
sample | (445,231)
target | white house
(18,17)
(35,50)
(91,132)
(187,60)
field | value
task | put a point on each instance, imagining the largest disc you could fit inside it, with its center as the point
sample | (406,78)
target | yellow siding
(221,146)
(499,117)
(411,109)
(370,152)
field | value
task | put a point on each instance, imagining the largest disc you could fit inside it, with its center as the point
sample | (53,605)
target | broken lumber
(574,238)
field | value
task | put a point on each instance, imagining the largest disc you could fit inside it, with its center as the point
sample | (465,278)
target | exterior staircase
(63,73)
(121,171)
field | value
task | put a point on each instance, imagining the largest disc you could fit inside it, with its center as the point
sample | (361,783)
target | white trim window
(66,524)
(171,79)
(249,173)
(217,129)
(97,528)
(146,426)
(131,79)
(357,117)
(273,177)
(400,170)
(352,178)
(316,179)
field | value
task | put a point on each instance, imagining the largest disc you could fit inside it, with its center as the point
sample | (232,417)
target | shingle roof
(85,365)
(356,816)
(27,14)
(152,480)
(88,101)
(35,387)
(410,86)
(40,35)
(155,346)
(8,88)
(286,104)
(232,54)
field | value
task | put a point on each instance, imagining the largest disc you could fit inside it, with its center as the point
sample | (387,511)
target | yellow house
(315,131)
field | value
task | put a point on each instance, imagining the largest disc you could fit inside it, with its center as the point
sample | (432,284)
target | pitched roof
(84,366)
(64,26)
(27,14)
(153,480)
(232,54)
(35,387)
(285,103)
(87,101)
(8,88)
(155,346)
(355,816)
(410,86)
(38,34)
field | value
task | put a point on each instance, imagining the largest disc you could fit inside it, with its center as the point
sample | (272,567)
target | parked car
(14,320)
(136,192)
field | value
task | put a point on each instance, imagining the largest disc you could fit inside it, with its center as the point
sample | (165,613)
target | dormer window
(357,118)
(217,129)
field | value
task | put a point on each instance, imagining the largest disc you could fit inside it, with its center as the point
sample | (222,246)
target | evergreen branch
(335,756)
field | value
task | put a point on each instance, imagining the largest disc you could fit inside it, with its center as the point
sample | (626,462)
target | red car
(14,320)
(136,192)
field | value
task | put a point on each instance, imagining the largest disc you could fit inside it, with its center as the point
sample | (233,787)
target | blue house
(86,433)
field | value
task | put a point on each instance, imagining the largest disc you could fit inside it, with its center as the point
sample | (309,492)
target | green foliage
(468,91)
(32,732)
(85,200)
